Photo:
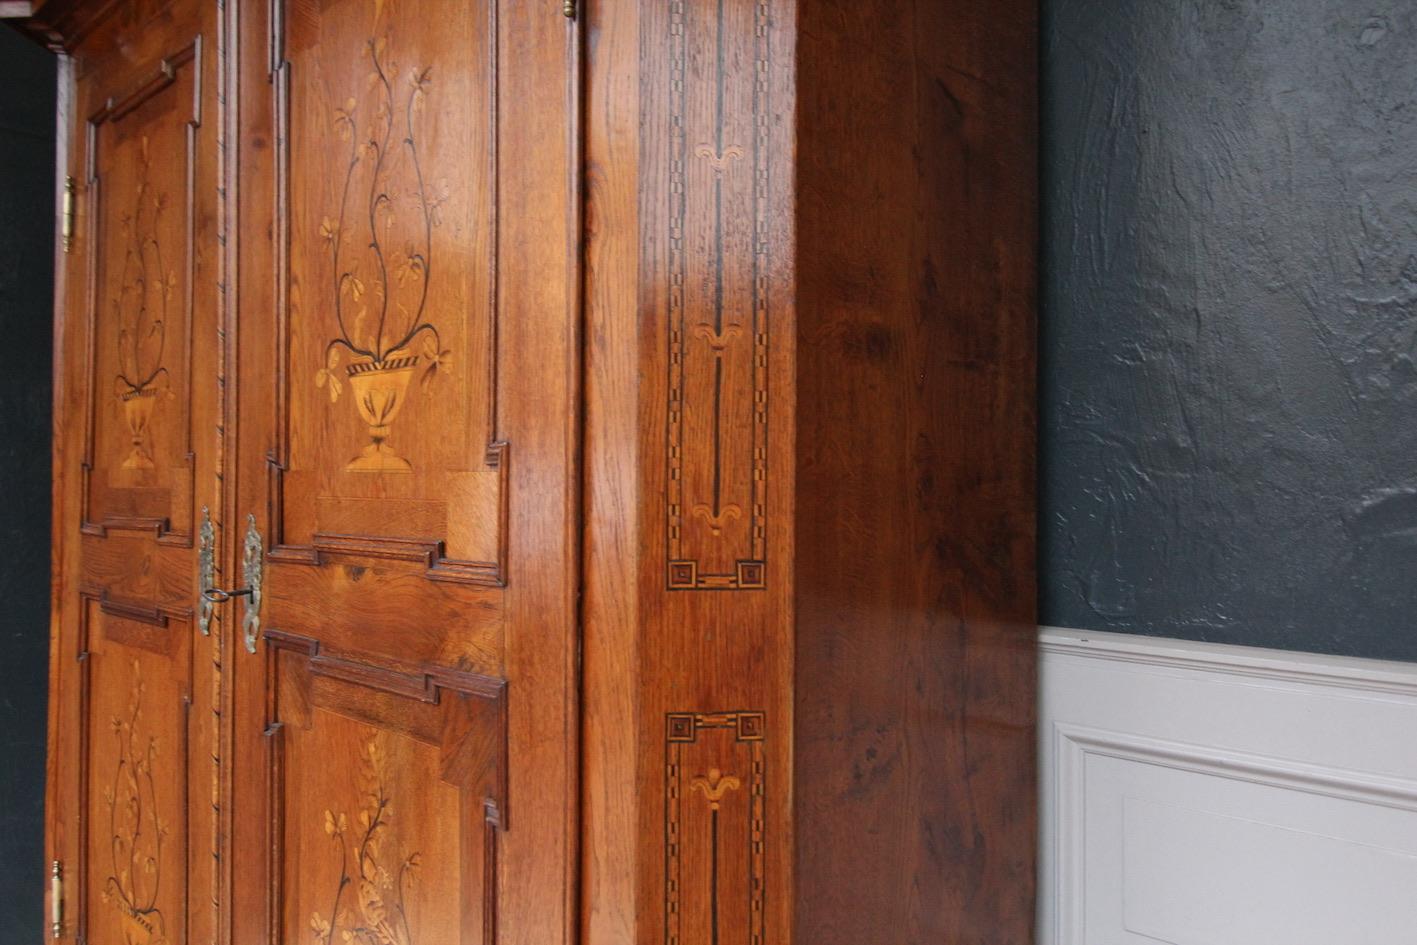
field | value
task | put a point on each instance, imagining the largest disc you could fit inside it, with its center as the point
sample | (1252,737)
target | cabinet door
(406,425)
(132,772)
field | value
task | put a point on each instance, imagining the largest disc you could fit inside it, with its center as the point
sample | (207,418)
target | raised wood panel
(135,728)
(386,288)
(388,791)
(138,464)
(358,608)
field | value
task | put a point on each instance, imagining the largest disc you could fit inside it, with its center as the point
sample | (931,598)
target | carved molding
(62,24)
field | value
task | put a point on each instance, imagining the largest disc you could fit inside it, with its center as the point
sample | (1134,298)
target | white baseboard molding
(1200,794)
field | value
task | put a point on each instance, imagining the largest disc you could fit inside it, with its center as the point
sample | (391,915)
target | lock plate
(206,568)
(252,567)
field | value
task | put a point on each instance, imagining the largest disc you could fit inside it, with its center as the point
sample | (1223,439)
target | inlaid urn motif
(379,391)
(380,246)
(137,405)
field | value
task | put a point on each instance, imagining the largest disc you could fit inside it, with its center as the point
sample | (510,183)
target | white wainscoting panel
(1197,794)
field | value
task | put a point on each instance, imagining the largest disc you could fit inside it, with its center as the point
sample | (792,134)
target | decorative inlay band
(714,800)
(718,244)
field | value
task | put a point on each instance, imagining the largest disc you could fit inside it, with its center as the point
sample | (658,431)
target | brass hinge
(568,9)
(66,220)
(56,900)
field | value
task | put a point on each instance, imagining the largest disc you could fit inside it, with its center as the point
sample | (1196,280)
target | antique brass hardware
(252,561)
(568,9)
(66,220)
(206,567)
(56,900)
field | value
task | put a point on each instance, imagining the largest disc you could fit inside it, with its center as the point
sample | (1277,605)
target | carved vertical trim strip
(225,89)
(710,526)
(757,823)
(671,844)
(715,786)
(84,659)
(278,460)
(491,823)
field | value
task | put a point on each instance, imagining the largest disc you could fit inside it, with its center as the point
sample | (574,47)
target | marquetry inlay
(714,828)
(719,266)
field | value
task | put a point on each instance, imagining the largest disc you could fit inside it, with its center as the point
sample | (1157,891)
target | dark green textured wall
(1229,321)
(26,288)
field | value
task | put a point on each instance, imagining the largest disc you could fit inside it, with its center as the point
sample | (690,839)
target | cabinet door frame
(529,686)
(134,682)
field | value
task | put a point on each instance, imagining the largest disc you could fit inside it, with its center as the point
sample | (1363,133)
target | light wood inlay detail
(720,258)
(714,818)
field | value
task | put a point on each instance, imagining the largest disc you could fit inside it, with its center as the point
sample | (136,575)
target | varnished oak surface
(809,532)
(689,496)
(358,362)
(635,416)
(914,746)
(407,432)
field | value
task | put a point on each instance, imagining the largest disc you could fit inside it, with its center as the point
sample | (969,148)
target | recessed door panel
(137,729)
(387,805)
(141,153)
(388,397)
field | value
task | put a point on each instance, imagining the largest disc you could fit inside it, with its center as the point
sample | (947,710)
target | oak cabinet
(541,472)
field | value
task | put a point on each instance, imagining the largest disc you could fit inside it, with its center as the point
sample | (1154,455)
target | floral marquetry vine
(380,247)
(137,833)
(369,901)
(140,306)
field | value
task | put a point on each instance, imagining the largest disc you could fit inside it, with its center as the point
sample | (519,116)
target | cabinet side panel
(914,786)
(688,472)
(715,354)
